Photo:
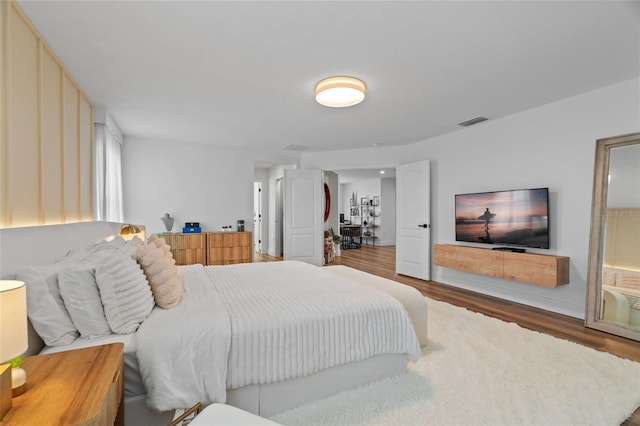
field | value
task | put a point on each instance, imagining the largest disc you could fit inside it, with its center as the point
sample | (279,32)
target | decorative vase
(168,222)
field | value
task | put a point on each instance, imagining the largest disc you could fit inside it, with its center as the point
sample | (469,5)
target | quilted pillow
(82,299)
(45,306)
(124,291)
(160,268)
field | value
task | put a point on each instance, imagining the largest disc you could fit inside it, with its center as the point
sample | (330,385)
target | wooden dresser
(224,248)
(211,248)
(77,387)
(187,249)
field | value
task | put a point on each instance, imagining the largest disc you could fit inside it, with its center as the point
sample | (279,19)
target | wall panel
(4,12)
(46,131)
(70,152)
(51,146)
(22,161)
(85,158)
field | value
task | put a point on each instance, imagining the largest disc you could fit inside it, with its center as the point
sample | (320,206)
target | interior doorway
(279,219)
(377,187)
(257,217)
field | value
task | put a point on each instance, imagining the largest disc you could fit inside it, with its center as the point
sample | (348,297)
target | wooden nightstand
(78,387)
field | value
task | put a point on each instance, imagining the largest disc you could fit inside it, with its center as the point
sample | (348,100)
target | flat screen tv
(513,218)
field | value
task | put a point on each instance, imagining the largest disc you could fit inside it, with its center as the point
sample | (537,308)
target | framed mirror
(613,277)
(327,202)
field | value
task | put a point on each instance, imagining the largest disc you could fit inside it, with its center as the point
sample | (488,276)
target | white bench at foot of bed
(222,414)
(414,302)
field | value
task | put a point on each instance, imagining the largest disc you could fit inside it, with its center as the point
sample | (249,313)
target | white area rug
(479,370)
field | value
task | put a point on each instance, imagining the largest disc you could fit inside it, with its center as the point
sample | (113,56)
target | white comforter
(182,352)
(260,323)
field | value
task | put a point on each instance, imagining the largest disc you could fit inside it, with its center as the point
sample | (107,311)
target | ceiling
(240,73)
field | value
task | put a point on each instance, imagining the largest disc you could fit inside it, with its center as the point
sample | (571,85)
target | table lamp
(13,340)
(128,232)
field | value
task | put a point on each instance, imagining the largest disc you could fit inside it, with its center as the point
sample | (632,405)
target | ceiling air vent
(473,121)
(292,147)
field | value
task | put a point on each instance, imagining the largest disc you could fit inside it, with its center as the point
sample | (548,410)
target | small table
(77,387)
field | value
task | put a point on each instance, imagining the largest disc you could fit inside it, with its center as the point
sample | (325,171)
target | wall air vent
(292,147)
(473,121)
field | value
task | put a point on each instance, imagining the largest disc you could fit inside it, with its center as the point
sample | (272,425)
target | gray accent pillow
(124,291)
(45,306)
(81,297)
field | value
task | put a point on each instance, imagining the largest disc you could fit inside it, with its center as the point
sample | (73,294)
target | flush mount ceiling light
(339,92)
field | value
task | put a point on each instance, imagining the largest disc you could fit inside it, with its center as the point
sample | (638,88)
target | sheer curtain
(108,169)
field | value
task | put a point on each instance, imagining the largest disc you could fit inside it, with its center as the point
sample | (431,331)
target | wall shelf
(530,268)
(368,218)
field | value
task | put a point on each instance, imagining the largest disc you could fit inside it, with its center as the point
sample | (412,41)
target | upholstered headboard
(39,245)
(620,277)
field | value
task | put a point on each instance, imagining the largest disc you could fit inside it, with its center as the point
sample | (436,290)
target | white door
(303,216)
(257,217)
(279,234)
(413,220)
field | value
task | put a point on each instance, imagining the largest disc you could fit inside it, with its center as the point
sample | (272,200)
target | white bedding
(182,352)
(261,323)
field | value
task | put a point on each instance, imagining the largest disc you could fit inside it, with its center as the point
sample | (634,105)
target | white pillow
(45,306)
(117,245)
(124,291)
(82,299)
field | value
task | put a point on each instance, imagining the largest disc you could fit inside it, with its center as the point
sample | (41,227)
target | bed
(621,296)
(263,353)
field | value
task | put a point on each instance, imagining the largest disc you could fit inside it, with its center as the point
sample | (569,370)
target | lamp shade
(339,92)
(129,230)
(13,320)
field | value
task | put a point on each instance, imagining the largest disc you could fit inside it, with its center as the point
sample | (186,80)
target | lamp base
(18,391)
(18,381)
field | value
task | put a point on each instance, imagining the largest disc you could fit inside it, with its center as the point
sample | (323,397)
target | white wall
(553,146)
(193,182)
(387,210)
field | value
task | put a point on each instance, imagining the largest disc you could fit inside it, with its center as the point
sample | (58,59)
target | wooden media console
(530,268)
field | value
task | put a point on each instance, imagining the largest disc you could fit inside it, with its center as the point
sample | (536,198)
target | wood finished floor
(381,261)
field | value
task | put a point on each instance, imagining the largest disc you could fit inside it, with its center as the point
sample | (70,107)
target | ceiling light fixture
(340,92)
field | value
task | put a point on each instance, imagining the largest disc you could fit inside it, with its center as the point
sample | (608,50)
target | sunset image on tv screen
(517,217)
